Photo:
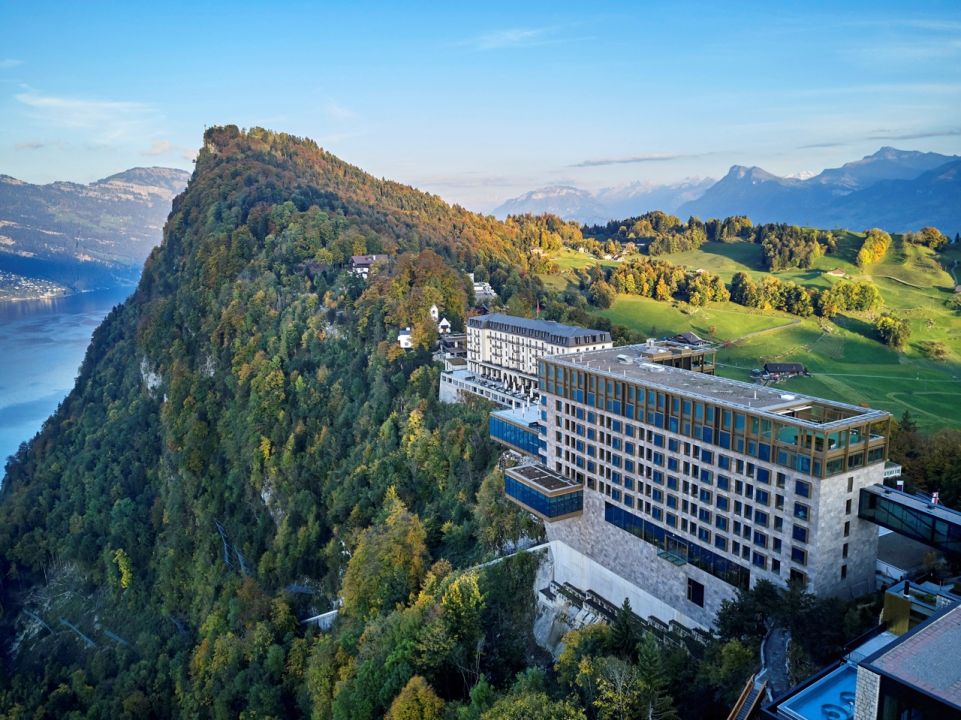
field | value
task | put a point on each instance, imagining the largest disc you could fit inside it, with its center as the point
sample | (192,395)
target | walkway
(774,660)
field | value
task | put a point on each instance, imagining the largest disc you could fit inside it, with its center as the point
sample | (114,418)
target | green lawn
(718,321)
(845,364)
(567,261)
(846,361)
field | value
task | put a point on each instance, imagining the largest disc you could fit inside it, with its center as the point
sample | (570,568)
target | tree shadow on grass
(857,326)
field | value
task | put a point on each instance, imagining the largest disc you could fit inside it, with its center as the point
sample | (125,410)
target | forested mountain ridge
(239,431)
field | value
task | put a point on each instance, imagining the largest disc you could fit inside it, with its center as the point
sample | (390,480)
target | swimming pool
(830,698)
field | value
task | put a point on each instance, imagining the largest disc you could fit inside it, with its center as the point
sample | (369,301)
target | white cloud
(159,147)
(7,63)
(169,149)
(514,38)
(339,113)
(107,121)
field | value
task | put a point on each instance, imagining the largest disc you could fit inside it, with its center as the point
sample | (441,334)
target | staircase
(750,700)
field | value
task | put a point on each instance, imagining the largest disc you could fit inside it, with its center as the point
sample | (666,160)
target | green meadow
(846,361)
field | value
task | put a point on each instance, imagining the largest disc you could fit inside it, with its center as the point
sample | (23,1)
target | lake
(42,343)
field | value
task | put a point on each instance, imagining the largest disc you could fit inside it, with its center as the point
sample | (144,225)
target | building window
(844,551)
(847,528)
(802,488)
(851,484)
(844,572)
(799,556)
(695,592)
(847,507)
(776,566)
(800,533)
(799,577)
(802,512)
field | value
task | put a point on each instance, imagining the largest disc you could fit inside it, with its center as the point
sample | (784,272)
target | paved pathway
(774,660)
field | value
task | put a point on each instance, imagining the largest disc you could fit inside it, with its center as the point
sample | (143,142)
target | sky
(481,102)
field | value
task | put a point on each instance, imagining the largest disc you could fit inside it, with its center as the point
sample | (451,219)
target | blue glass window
(546,506)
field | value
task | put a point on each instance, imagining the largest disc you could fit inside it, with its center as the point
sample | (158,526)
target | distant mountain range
(85,236)
(897,190)
(573,203)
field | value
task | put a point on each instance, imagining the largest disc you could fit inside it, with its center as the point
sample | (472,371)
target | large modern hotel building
(691,486)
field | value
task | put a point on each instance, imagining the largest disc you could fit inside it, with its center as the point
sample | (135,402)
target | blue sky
(481,103)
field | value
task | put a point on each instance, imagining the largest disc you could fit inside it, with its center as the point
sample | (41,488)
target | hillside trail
(764,330)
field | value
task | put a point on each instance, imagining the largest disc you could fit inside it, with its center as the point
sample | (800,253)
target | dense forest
(246,447)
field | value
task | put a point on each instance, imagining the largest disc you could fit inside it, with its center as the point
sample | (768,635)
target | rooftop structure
(925,660)
(900,557)
(632,363)
(908,604)
(543,492)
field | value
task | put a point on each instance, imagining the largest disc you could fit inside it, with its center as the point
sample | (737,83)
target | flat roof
(926,658)
(534,327)
(902,552)
(660,349)
(543,478)
(628,363)
(916,502)
(523,416)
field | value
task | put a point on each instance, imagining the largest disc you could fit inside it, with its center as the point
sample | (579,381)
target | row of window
(758,437)
(748,545)
(706,495)
(677,548)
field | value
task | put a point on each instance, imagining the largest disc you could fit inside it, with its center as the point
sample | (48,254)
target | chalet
(688,338)
(443,327)
(784,369)
(361,265)
(404,339)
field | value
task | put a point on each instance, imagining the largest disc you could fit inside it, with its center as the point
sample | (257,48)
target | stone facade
(636,562)
(838,526)
(866,699)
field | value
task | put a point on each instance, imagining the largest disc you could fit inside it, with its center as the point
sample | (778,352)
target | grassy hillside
(847,361)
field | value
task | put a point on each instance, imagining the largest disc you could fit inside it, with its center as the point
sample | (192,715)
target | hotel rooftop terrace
(629,363)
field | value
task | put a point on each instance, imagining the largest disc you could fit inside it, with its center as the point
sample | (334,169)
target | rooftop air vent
(788,397)
(624,359)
